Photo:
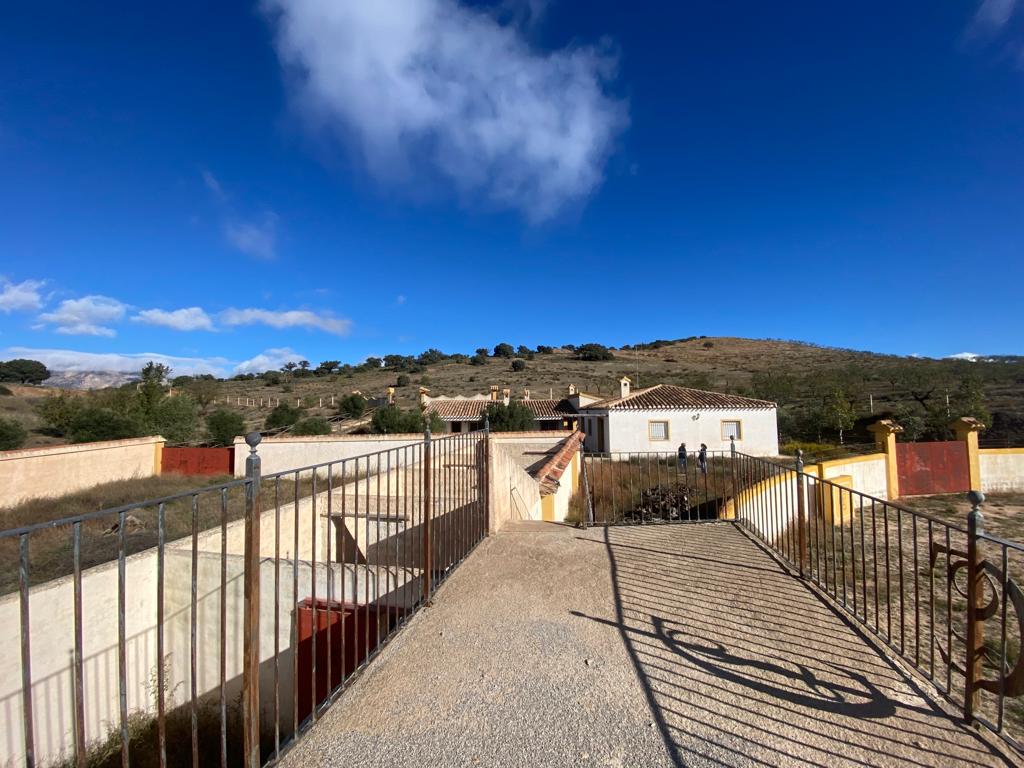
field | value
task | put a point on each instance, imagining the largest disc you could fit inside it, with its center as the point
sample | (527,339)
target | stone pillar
(967,429)
(885,432)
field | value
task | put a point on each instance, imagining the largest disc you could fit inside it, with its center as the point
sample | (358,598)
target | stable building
(466,414)
(658,419)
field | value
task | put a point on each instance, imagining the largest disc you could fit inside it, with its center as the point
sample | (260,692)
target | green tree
(328,367)
(176,418)
(223,426)
(12,435)
(284,415)
(837,412)
(352,406)
(203,392)
(288,367)
(514,417)
(151,388)
(92,424)
(478,359)
(402,381)
(545,350)
(518,365)
(313,425)
(504,350)
(58,411)
(24,371)
(593,352)
(969,399)
(393,420)
(776,386)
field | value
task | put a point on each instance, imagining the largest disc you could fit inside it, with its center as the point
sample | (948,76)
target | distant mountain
(88,379)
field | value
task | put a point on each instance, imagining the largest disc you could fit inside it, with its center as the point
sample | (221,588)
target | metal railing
(272,591)
(646,487)
(922,585)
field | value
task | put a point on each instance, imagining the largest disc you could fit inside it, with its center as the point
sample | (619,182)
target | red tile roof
(670,397)
(552,470)
(473,410)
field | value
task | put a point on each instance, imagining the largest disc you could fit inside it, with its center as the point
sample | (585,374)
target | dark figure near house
(702,458)
(682,457)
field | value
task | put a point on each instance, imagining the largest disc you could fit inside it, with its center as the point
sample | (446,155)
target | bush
(92,424)
(12,435)
(518,365)
(314,425)
(708,344)
(271,379)
(593,352)
(392,420)
(283,415)
(402,381)
(223,426)
(5,392)
(514,417)
(352,406)
(545,350)
(176,418)
(504,350)
(478,359)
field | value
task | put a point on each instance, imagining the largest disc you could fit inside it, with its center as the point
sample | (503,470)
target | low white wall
(868,473)
(628,431)
(279,454)
(1002,469)
(38,473)
(514,495)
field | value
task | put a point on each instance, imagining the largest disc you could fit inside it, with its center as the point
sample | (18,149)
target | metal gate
(628,488)
(925,468)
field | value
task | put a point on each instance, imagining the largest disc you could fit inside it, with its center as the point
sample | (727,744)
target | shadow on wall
(739,659)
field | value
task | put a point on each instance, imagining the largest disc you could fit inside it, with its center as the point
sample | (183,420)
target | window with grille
(657,430)
(731,429)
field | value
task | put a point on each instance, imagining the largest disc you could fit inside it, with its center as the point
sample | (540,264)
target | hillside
(797,374)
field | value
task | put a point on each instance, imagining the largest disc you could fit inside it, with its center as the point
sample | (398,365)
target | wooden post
(975,603)
(251,617)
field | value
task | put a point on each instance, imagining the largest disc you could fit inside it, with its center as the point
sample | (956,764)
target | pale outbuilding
(658,419)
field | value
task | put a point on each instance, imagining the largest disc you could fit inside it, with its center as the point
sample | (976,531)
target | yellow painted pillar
(158,457)
(885,432)
(967,429)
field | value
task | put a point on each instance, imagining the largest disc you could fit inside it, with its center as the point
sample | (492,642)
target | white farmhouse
(658,419)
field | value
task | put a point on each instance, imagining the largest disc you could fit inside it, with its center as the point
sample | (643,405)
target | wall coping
(851,460)
(1001,451)
(53,450)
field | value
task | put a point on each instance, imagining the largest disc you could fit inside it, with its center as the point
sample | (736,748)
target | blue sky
(231,185)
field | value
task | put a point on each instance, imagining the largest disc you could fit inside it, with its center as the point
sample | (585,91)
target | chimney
(624,383)
(526,394)
(424,399)
(506,395)
(391,395)
(572,390)
(494,393)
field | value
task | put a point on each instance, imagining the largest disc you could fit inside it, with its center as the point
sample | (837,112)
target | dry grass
(50,549)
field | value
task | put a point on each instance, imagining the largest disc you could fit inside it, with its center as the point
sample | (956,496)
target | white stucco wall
(867,473)
(37,473)
(279,454)
(1002,469)
(628,431)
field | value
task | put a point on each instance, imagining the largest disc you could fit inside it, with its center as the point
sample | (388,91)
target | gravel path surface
(680,645)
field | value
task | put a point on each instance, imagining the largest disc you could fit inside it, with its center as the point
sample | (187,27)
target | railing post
(251,618)
(427,507)
(487,474)
(732,472)
(801,511)
(975,602)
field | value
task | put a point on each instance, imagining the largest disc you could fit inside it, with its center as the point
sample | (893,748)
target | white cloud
(992,16)
(295,318)
(20,297)
(434,85)
(972,356)
(87,316)
(269,360)
(186,319)
(254,238)
(72,360)
(214,185)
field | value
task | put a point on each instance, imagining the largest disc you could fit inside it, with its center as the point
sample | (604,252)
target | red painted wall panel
(926,468)
(198,461)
